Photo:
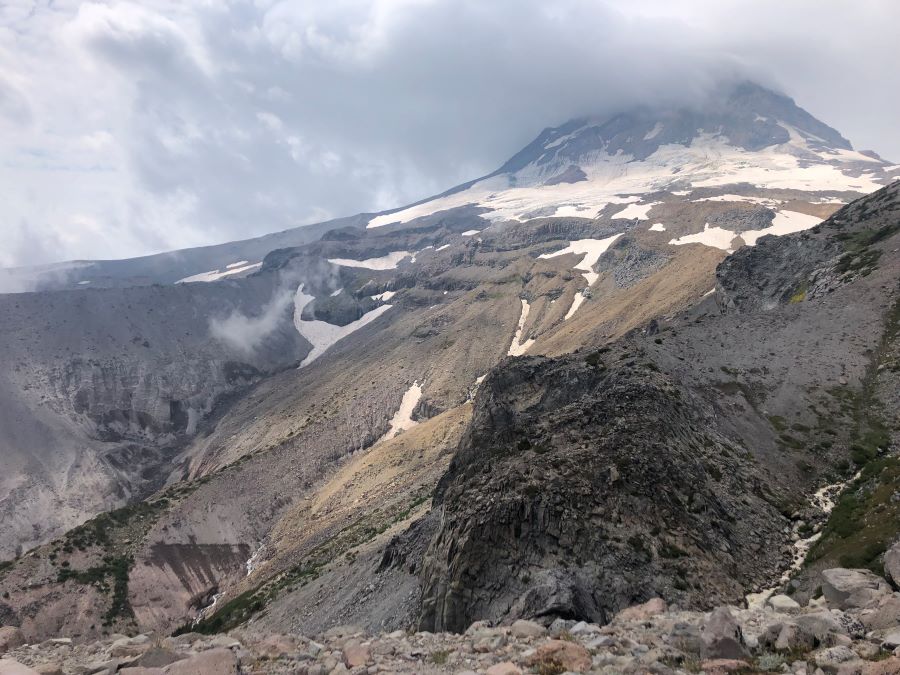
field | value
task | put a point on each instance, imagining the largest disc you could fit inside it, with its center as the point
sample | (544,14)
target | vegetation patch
(866,517)
(859,256)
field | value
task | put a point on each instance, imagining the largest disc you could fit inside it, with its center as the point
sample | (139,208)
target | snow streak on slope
(215,275)
(385,262)
(591,250)
(576,303)
(321,334)
(657,227)
(517,348)
(402,419)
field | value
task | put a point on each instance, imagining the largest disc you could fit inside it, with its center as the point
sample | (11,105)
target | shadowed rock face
(582,488)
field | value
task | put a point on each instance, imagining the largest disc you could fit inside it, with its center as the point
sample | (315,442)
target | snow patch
(387,295)
(469,233)
(654,132)
(385,262)
(402,419)
(336,293)
(576,303)
(716,237)
(239,263)
(321,334)
(657,227)
(441,248)
(739,198)
(517,348)
(215,275)
(785,222)
(591,250)
(633,211)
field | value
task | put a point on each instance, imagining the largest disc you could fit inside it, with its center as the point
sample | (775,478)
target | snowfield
(657,227)
(385,262)
(517,348)
(716,237)
(590,250)
(784,222)
(321,334)
(633,211)
(215,275)
(709,161)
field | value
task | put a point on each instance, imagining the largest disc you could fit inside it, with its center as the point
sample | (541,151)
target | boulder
(157,657)
(525,629)
(832,659)
(566,655)
(892,563)
(505,668)
(792,638)
(848,589)
(212,662)
(823,625)
(891,639)
(10,667)
(642,612)
(884,615)
(356,654)
(889,666)
(784,604)
(723,666)
(722,636)
(10,638)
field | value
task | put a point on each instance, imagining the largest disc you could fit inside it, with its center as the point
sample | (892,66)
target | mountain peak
(749,116)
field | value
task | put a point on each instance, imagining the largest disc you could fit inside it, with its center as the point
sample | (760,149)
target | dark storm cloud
(232,119)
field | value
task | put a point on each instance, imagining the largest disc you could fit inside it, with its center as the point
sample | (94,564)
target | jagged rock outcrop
(584,486)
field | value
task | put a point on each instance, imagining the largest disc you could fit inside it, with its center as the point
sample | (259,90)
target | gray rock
(845,589)
(892,563)
(524,628)
(891,640)
(10,638)
(784,604)
(885,615)
(722,636)
(831,659)
(10,667)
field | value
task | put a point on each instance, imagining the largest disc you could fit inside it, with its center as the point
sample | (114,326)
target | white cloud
(132,127)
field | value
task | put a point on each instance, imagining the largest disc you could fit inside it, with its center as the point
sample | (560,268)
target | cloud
(245,334)
(132,127)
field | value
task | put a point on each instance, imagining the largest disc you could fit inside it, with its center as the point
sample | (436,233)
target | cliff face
(584,485)
(103,387)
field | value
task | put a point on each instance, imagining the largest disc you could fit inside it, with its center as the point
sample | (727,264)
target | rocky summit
(628,404)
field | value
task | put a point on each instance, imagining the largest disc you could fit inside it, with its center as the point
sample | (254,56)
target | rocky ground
(852,627)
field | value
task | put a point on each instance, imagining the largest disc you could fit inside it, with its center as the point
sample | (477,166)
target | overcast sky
(130,128)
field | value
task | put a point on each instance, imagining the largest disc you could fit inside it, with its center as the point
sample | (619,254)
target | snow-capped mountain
(599,335)
(751,137)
